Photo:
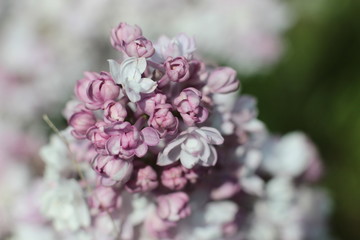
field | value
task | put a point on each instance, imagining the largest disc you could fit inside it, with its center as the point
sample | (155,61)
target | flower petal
(132,95)
(164,160)
(147,85)
(141,150)
(188,160)
(213,135)
(115,71)
(113,145)
(211,161)
(151,137)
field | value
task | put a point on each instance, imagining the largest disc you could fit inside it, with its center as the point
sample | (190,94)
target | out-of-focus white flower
(251,182)
(128,74)
(220,212)
(290,156)
(65,205)
(56,158)
(193,146)
(179,46)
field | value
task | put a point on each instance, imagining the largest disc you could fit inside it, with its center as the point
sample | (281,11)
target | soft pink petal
(151,137)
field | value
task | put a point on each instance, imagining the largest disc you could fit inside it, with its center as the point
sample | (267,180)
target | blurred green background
(316,88)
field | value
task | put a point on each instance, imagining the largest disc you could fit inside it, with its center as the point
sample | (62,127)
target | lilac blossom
(112,170)
(154,166)
(194,146)
(114,111)
(124,34)
(163,120)
(140,47)
(95,89)
(81,122)
(188,103)
(173,207)
(128,74)
(126,140)
(177,69)
(143,179)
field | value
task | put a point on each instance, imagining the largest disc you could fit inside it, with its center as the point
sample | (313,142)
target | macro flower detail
(124,34)
(179,46)
(177,69)
(104,199)
(148,103)
(223,80)
(193,146)
(128,74)
(154,165)
(140,47)
(188,103)
(143,179)
(173,207)
(65,205)
(112,170)
(95,89)
(174,178)
(81,122)
(126,140)
(163,120)
(114,111)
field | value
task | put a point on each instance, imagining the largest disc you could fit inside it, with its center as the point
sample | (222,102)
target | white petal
(211,161)
(164,160)
(213,135)
(174,143)
(253,185)
(147,85)
(206,150)
(115,71)
(132,95)
(141,64)
(188,160)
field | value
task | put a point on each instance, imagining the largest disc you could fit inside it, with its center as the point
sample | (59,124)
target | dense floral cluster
(165,148)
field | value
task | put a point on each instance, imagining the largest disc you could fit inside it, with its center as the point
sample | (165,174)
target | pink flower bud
(177,69)
(140,47)
(148,104)
(143,179)
(112,169)
(159,228)
(95,89)
(173,207)
(163,120)
(81,122)
(226,190)
(188,104)
(72,107)
(97,135)
(104,199)
(114,111)
(223,80)
(126,140)
(124,34)
(174,178)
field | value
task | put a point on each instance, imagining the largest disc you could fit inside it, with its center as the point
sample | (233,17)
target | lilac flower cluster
(152,108)
(171,151)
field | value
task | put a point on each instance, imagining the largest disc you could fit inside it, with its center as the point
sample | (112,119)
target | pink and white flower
(193,146)
(128,74)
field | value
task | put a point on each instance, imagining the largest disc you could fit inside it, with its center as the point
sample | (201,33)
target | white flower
(193,146)
(220,212)
(250,182)
(55,157)
(181,45)
(128,74)
(290,156)
(65,205)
